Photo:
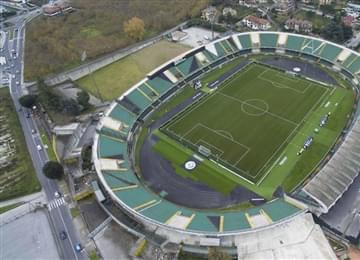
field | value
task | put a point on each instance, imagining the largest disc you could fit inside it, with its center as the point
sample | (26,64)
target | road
(13,50)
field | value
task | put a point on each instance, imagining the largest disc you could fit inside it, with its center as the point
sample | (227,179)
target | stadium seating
(139,99)
(330,52)
(159,85)
(268,40)
(110,147)
(245,41)
(187,66)
(123,115)
(294,43)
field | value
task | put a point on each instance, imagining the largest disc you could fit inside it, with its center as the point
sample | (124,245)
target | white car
(57,194)
(17,82)
(38,147)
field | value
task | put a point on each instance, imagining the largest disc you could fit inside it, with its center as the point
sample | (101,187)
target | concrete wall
(85,69)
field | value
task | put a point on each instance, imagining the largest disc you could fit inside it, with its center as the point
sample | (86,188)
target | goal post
(204,151)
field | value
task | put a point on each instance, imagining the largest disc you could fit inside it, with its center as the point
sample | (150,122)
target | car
(78,247)
(57,194)
(63,235)
(28,115)
(17,71)
(38,147)
(17,82)
(33,131)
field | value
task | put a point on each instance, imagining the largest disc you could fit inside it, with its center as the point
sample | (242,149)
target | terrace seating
(139,99)
(268,40)
(330,52)
(187,66)
(294,43)
(245,41)
(110,147)
(123,115)
(159,85)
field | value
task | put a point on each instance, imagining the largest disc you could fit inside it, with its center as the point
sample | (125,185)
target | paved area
(93,214)
(307,69)
(114,242)
(198,36)
(28,237)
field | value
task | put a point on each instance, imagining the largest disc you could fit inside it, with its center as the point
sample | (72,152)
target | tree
(28,100)
(53,170)
(71,107)
(135,28)
(83,98)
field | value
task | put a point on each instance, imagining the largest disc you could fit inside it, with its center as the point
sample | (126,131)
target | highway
(60,214)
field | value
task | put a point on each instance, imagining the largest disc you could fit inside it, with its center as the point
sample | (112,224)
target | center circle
(254,107)
(190,165)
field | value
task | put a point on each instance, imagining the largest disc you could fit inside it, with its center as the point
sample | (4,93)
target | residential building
(296,25)
(229,11)
(348,20)
(209,13)
(256,23)
(285,6)
(55,8)
(325,2)
(252,3)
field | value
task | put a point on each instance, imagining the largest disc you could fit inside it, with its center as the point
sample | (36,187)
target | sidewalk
(35,196)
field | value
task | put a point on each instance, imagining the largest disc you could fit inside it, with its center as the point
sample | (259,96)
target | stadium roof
(297,238)
(339,173)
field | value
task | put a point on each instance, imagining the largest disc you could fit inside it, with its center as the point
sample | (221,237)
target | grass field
(254,125)
(115,79)
(19,177)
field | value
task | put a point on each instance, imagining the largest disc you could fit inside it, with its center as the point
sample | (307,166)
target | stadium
(236,143)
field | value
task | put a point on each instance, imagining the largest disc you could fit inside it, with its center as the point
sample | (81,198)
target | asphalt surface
(28,237)
(160,175)
(307,69)
(60,215)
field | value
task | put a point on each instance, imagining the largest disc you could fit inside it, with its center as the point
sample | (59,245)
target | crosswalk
(56,203)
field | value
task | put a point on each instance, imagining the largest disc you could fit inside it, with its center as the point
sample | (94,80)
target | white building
(256,23)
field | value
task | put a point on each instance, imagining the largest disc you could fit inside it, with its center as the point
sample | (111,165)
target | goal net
(204,151)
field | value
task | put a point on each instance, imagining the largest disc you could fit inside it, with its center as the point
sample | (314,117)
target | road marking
(56,203)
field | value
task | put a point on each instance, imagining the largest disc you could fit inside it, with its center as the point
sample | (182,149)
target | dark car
(63,235)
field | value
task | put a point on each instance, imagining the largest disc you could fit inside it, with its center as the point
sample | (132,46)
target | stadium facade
(242,232)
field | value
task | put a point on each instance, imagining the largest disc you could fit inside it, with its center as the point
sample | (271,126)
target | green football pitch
(249,121)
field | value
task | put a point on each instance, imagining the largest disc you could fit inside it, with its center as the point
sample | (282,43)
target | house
(256,23)
(348,20)
(325,2)
(299,25)
(209,13)
(285,6)
(252,3)
(229,11)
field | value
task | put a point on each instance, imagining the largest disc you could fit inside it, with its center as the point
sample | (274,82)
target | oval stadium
(240,143)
